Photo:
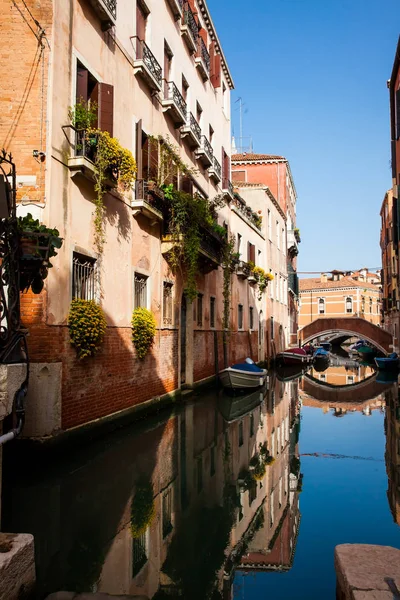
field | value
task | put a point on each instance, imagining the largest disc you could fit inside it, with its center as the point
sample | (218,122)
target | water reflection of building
(392,454)
(343,374)
(209,496)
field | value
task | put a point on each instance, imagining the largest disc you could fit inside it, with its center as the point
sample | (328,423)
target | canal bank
(263,486)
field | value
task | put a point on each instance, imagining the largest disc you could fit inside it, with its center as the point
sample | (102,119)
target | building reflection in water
(176,508)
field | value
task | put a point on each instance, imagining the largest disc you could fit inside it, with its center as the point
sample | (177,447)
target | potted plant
(37,244)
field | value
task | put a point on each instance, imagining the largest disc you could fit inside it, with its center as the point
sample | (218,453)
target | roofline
(255,161)
(214,37)
(342,287)
(266,189)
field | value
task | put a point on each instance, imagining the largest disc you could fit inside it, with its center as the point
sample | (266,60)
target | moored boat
(321,354)
(389,363)
(243,376)
(366,351)
(326,346)
(236,407)
(293,356)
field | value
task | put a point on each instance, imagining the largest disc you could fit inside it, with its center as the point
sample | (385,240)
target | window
(224,98)
(280,492)
(167,63)
(199,474)
(350,379)
(278,439)
(167,512)
(322,377)
(362,304)
(252,491)
(349,304)
(397,114)
(139,553)
(321,306)
(239,242)
(210,134)
(251,253)
(212,312)
(276,287)
(271,508)
(273,442)
(370,305)
(199,113)
(241,433)
(278,242)
(140,291)
(240,316)
(199,310)
(167,303)
(185,88)
(212,461)
(269,225)
(251,424)
(83,277)
(272,328)
(251,317)
(91,92)
(271,286)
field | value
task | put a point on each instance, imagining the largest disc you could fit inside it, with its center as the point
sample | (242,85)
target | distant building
(390,282)
(274,171)
(340,295)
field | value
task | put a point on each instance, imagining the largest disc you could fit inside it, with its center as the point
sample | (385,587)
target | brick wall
(24,56)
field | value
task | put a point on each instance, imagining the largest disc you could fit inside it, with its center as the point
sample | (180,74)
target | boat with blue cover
(243,375)
(389,363)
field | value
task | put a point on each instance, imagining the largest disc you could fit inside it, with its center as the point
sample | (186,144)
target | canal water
(220,498)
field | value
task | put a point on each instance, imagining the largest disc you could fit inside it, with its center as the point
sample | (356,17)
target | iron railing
(227,185)
(150,193)
(206,146)
(194,126)
(243,267)
(190,21)
(172,93)
(211,244)
(217,168)
(83,144)
(111,6)
(144,53)
(203,53)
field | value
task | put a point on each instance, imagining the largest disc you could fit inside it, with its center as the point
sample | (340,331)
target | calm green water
(223,498)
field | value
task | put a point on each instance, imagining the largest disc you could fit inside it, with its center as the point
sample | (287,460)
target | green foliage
(143,331)
(262,277)
(83,115)
(38,244)
(142,508)
(87,326)
(229,261)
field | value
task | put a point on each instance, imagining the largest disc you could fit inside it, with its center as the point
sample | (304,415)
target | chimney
(324,277)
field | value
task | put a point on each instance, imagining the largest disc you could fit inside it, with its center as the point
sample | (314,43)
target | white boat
(243,376)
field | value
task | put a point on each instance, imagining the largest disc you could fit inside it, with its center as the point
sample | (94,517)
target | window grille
(83,277)
(212,312)
(349,305)
(140,291)
(240,316)
(139,553)
(199,310)
(321,306)
(167,512)
(167,303)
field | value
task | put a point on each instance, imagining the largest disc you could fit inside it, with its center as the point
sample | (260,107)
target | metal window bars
(140,291)
(217,168)
(167,303)
(167,512)
(203,53)
(194,126)
(83,278)
(111,5)
(139,553)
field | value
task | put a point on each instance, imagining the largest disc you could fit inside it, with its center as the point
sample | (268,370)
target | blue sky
(312,74)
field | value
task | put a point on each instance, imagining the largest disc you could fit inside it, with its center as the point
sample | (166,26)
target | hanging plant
(87,326)
(142,509)
(229,261)
(143,331)
(38,244)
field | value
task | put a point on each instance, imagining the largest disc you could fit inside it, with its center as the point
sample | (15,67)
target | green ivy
(143,331)
(87,326)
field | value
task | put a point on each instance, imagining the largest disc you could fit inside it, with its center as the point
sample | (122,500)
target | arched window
(370,305)
(349,304)
(362,304)
(321,306)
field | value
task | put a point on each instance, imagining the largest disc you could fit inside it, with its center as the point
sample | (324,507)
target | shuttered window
(251,253)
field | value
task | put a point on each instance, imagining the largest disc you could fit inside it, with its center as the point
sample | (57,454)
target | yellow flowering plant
(87,326)
(143,331)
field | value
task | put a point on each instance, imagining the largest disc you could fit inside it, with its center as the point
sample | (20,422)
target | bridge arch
(343,395)
(350,326)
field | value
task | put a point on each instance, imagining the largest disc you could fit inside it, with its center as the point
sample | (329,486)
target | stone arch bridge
(347,327)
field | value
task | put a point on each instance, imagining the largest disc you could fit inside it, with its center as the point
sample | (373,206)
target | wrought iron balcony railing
(190,21)
(203,53)
(111,5)
(216,169)
(227,185)
(171,92)
(194,126)
(207,148)
(205,152)
(144,54)
(107,12)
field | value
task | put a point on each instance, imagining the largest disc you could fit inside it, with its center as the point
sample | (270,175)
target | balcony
(227,188)
(146,66)
(149,201)
(215,171)
(292,243)
(175,103)
(243,270)
(106,10)
(176,7)
(210,254)
(204,153)
(189,28)
(83,154)
(245,212)
(192,132)
(202,59)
